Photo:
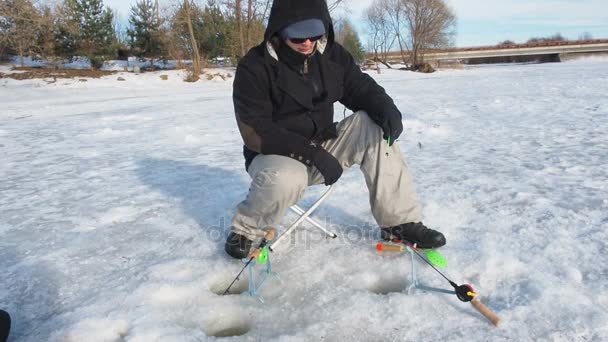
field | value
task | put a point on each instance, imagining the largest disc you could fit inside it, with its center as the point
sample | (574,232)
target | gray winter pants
(279,182)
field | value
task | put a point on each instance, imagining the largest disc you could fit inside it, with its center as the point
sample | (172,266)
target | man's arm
(361,92)
(254,116)
(254,109)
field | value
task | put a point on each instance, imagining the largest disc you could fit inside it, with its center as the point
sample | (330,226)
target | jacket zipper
(305,67)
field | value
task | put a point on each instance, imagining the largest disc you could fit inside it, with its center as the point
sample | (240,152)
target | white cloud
(559,10)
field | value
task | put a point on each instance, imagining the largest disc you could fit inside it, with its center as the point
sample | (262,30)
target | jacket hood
(286,12)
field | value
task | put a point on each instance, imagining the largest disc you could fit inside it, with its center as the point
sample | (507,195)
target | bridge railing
(395,54)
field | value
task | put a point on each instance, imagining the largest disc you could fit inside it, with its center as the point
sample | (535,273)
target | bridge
(558,50)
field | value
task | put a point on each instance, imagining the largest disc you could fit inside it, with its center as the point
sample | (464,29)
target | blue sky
(488,22)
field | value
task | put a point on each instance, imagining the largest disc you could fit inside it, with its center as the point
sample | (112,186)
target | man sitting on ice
(284,91)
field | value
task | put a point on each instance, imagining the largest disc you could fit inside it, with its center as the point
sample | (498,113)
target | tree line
(89,28)
(412,26)
(180,30)
(558,37)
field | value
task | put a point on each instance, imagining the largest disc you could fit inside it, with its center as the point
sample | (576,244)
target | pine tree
(354,46)
(187,12)
(86,29)
(4,37)
(215,31)
(45,37)
(146,33)
(348,37)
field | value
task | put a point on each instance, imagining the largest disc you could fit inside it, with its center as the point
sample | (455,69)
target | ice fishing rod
(465,292)
(254,255)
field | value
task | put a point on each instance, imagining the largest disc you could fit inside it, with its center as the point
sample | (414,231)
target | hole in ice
(384,289)
(382,280)
(219,286)
(386,286)
(223,326)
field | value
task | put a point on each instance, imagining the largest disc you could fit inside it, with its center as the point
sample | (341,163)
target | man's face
(305,48)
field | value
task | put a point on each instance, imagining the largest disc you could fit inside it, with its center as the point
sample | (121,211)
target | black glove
(328,165)
(392,125)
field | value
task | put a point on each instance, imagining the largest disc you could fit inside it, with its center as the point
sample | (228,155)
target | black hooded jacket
(277,109)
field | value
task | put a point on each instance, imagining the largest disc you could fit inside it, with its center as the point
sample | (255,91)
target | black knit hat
(304,29)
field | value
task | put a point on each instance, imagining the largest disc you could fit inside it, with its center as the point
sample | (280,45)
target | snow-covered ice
(116,197)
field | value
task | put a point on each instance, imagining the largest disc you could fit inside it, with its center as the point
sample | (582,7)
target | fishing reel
(465,293)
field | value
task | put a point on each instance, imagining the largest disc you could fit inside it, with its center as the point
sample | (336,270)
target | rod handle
(389,248)
(255,254)
(485,311)
(270,234)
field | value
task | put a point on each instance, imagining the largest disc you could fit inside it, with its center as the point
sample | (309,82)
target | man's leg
(392,194)
(277,183)
(391,188)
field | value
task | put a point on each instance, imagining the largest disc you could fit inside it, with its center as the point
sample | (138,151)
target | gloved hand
(392,126)
(328,165)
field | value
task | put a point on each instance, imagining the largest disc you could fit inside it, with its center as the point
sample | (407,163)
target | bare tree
(396,18)
(257,13)
(431,24)
(248,23)
(334,4)
(196,57)
(181,38)
(238,11)
(381,37)
(119,29)
(416,25)
(585,36)
(45,44)
(21,22)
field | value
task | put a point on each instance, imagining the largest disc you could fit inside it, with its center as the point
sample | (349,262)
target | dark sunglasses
(302,40)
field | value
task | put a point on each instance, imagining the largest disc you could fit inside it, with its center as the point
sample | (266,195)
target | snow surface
(85,63)
(116,198)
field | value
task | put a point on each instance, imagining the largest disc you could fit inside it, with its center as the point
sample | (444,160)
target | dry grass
(456,66)
(32,73)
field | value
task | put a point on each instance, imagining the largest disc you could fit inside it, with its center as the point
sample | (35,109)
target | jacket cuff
(301,151)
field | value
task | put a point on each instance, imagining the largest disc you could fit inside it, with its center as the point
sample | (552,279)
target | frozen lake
(116,197)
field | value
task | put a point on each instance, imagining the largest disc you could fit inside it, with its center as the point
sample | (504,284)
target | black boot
(237,246)
(5,325)
(415,233)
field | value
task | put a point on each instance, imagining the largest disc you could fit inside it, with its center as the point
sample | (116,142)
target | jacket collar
(292,84)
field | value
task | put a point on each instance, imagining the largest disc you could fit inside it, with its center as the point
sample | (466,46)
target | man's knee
(363,124)
(280,175)
(281,180)
(362,118)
